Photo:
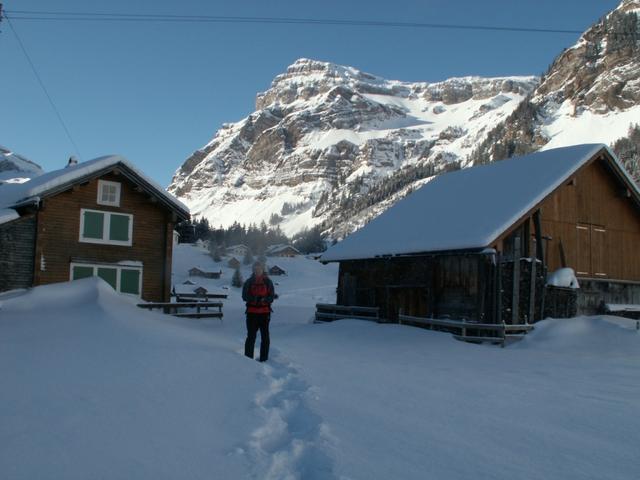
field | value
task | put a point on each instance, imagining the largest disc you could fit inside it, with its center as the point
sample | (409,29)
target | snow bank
(93,387)
(563,277)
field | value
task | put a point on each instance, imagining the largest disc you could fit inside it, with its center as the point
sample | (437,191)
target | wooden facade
(590,223)
(55,249)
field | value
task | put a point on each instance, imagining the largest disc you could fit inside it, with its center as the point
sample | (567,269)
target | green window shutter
(81,272)
(130,281)
(119,228)
(109,275)
(93,225)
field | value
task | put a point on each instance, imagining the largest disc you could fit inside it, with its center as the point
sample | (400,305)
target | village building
(276,270)
(100,218)
(197,272)
(282,251)
(238,250)
(476,244)
(233,263)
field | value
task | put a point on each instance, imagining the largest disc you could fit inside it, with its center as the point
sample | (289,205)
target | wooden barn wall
(17,245)
(596,224)
(59,231)
(457,286)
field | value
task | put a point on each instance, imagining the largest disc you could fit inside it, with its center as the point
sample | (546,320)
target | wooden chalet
(98,218)
(233,263)
(476,244)
(276,270)
(197,272)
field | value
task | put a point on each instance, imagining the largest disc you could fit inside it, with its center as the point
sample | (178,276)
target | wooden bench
(326,312)
(496,332)
(194,297)
(623,310)
(201,308)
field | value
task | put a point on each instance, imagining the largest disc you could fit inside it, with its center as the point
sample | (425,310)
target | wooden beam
(515,294)
(532,292)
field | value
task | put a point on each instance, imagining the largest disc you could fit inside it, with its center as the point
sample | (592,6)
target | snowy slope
(95,388)
(15,168)
(324,133)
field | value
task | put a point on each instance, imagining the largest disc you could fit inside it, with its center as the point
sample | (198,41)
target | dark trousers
(255,322)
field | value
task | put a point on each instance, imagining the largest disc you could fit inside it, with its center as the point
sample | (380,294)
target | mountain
(15,168)
(325,139)
(330,145)
(591,93)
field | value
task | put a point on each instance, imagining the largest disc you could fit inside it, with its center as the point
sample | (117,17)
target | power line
(172,18)
(44,89)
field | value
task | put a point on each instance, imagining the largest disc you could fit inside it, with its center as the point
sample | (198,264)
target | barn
(102,217)
(477,244)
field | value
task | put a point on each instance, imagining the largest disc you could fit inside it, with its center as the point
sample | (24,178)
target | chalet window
(108,228)
(123,278)
(108,193)
(591,246)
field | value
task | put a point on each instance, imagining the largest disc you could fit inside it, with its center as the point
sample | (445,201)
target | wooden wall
(596,223)
(58,230)
(17,244)
(458,286)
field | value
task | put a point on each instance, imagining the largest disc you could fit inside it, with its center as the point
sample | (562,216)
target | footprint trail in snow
(293,440)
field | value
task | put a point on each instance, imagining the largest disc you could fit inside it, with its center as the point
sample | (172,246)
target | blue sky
(155,92)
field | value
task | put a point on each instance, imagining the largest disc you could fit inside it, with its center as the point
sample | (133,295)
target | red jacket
(258,292)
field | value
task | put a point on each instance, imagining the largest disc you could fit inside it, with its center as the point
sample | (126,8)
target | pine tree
(237,280)
(248,257)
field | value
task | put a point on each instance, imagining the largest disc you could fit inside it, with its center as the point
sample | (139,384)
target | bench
(623,310)
(201,308)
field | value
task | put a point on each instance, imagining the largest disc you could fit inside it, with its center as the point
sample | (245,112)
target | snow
(7,215)
(466,209)
(563,277)
(622,307)
(94,387)
(565,128)
(15,193)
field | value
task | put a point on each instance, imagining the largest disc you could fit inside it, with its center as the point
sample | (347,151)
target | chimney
(73,160)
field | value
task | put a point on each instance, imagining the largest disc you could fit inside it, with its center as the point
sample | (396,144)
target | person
(258,293)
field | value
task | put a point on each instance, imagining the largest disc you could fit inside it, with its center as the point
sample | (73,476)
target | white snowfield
(93,387)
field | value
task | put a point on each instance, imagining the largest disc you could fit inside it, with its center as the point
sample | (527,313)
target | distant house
(276,270)
(237,250)
(196,272)
(477,243)
(100,218)
(189,290)
(282,251)
(233,263)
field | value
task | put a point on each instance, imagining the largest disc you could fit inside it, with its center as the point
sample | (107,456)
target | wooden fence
(326,312)
(469,331)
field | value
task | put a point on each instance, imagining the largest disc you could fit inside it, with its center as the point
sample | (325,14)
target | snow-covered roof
(466,209)
(7,214)
(50,182)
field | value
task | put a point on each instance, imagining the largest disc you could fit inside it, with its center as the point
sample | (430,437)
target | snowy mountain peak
(331,144)
(15,168)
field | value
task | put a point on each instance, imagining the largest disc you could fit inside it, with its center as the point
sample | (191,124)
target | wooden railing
(470,331)
(326,312)
(197,309)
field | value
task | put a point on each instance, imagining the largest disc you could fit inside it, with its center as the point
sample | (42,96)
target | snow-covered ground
(93,387)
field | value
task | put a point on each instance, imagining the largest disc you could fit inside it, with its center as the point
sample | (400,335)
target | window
(108,193)
(123,278)
(106,227)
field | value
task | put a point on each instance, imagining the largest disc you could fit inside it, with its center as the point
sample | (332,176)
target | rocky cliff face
(333,145)
(591,93)
(15,168)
